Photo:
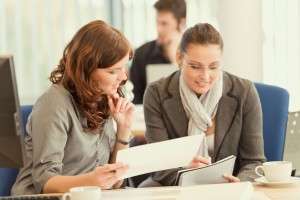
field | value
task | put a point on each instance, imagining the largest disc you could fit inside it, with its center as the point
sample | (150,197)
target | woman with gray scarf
(201,98)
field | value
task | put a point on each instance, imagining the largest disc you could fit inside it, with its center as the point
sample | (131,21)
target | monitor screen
(157,71)
(11,127)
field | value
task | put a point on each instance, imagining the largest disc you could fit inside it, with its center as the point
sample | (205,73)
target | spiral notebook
(212,173)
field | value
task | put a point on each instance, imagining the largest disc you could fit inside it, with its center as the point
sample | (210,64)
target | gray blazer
(238,128)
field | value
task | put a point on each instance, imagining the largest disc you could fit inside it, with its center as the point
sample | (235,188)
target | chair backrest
(25,110)
(8,175)
(275,103)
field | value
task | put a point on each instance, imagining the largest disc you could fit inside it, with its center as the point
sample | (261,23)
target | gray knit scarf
(200,111)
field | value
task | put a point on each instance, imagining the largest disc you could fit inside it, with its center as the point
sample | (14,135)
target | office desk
(138,132)
(290,192)
(261,192)
(171,193)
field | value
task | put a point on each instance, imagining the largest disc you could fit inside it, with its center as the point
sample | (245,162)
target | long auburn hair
(95,45)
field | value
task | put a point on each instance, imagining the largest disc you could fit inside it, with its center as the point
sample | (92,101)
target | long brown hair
(95,45)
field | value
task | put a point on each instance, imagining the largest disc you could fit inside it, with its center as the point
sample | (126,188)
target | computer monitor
(11,126)
(157,71)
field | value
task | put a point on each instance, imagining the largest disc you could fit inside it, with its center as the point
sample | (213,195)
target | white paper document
(160,155)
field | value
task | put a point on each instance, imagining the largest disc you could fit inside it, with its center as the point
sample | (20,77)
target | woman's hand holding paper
(199,161)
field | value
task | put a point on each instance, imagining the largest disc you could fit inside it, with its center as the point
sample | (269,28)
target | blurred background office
(264,36)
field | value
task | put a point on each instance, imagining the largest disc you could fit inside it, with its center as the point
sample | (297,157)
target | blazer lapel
(227,109)
(173,108)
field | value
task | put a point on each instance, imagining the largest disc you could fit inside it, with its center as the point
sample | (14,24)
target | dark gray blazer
(238,128)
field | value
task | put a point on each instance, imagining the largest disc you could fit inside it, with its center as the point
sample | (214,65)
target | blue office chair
(275,103)
(8,175)
(25,110)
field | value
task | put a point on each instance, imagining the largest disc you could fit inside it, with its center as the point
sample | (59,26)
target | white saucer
(264,181)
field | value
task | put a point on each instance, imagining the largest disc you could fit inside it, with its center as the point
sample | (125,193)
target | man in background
(170,24)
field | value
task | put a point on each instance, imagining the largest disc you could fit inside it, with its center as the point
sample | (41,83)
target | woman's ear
(179,58)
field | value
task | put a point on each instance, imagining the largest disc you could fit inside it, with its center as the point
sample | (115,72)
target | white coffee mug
(276,171)
(83,193)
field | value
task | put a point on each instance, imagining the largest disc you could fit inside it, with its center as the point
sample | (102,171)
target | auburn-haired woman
(70,138)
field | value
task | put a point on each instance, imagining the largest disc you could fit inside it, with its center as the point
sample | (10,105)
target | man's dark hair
(177,7)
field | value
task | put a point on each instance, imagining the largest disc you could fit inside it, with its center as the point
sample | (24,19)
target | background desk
(138,125)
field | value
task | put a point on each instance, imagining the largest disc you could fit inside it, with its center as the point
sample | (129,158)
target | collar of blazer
(174,111)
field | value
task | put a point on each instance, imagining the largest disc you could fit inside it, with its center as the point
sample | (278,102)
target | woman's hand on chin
(122,110)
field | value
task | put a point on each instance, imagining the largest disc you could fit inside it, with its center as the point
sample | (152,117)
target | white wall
(240,24)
